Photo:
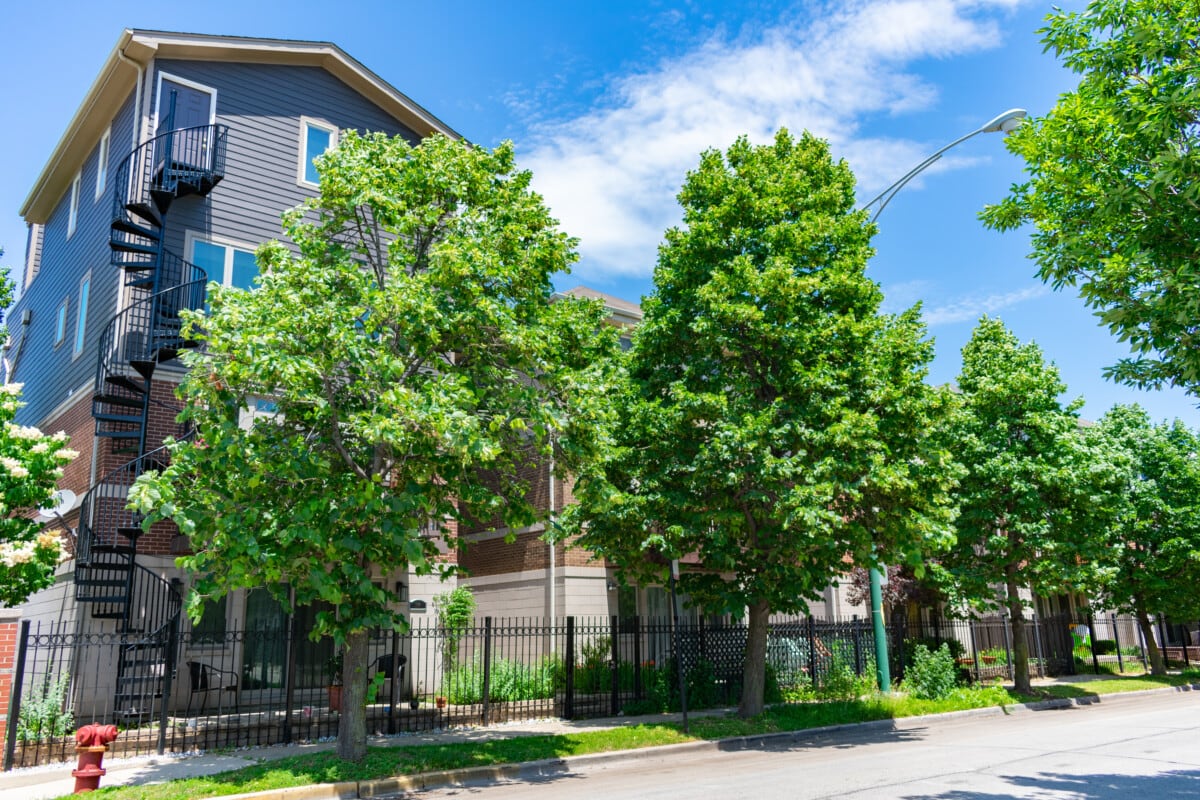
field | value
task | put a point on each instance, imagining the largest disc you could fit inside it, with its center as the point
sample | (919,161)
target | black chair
(203,679)
(393,669)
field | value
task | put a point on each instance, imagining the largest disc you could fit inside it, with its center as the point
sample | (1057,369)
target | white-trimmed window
(73,210)
(102,163)
(85,286)
(315,138)
(60,322)
(229,263)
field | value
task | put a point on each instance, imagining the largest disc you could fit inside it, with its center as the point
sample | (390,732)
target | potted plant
(334,669)
(440,701)
(414,702)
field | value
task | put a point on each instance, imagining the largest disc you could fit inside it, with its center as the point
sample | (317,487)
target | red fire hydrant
(91,742)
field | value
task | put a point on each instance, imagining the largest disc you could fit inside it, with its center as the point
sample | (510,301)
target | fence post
(487,669)
(14,697)
(614,664)
(289,687)
(1117,642)
(569,700)
(974,650)
(812,650)
(1091,621)
(1037,640)
(857,631)
(1185,638)
(1008,655)
(637,657)
(1142,639)
(397,671)
(168,680)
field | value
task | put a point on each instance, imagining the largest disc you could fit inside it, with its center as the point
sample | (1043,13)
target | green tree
(1114,180)
(418,364)
(30,465)
(1033,502)
(773,422)
(1151,565)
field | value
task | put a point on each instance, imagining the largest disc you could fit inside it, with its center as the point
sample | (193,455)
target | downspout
(10,366)
(137,98)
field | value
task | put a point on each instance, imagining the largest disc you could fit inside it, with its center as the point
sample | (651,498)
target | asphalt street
(1148,749)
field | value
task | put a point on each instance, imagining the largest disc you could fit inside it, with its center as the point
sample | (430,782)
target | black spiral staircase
(147,333)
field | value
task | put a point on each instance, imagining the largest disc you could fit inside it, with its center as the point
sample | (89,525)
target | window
(211,627)
(60,322)
(102,164)
(81,315)
(315,138)
(73,211)
(229,264)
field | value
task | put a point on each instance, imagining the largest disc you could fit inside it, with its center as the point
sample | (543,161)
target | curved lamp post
(1005,123)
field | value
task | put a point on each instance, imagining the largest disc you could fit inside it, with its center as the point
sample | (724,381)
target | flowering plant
(30,465)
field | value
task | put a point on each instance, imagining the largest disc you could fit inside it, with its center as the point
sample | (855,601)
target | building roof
(623,311)
(134,50)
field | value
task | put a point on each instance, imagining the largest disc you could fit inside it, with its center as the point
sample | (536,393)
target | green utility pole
(881,648)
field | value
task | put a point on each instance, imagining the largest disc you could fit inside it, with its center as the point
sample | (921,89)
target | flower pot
(440,701)
(414,704)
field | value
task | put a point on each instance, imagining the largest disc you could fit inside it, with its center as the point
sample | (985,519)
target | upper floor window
(315,138)
(60,322)
(85,286)
(102,164)
(230,264)
(73,211)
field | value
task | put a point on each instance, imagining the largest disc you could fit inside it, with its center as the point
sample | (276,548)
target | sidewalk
(55,780)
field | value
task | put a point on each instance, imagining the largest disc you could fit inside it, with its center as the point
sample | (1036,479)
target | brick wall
(9,628)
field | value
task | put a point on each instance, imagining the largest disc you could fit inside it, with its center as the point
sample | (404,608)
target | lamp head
(1006,123)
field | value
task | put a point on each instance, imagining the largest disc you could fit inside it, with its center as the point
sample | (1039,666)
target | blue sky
(610,104)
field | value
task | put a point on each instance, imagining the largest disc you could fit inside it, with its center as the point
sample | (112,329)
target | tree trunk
(1157,665)
(1020,647)
(352,725)
(754,669)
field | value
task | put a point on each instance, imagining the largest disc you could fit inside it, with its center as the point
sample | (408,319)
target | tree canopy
(1151,564)
(774,424)
(414,362)
(1113,188)
(1035,499)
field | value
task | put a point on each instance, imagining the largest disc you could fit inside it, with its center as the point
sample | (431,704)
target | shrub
(1104,647)
(841,683)
(509,681)
(46,714)
(932,674)
(456,611)
(931,643)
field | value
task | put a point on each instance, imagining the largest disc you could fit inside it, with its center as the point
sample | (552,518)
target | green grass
(384,762)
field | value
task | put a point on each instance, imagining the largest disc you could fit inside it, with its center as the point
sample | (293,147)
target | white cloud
(611,174)
(972,308)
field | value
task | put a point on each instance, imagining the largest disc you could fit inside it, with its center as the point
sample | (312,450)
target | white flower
(12,388)
(23,432)
(14,467)
(12,555)
(40,447)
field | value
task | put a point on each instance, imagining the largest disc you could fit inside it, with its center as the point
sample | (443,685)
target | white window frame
(60,322)
(102,161)
(81,314)
(303,160)
(73,209)
(190,239)
(200,87)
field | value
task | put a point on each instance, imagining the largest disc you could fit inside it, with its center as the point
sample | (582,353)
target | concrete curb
(555,766)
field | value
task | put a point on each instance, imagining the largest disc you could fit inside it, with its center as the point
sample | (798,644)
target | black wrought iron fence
(258,687)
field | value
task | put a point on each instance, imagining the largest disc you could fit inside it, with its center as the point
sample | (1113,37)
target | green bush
(841,683)
(510,681)
(1104,647)
(932,675)
(46,714)
(931,643)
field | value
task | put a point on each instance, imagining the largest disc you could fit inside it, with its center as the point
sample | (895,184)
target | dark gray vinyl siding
(262,105)
(51,373)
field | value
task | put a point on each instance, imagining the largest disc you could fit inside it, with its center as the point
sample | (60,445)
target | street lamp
(1005,123)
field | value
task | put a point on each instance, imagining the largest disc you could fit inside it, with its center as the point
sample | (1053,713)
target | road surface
(1135,749)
